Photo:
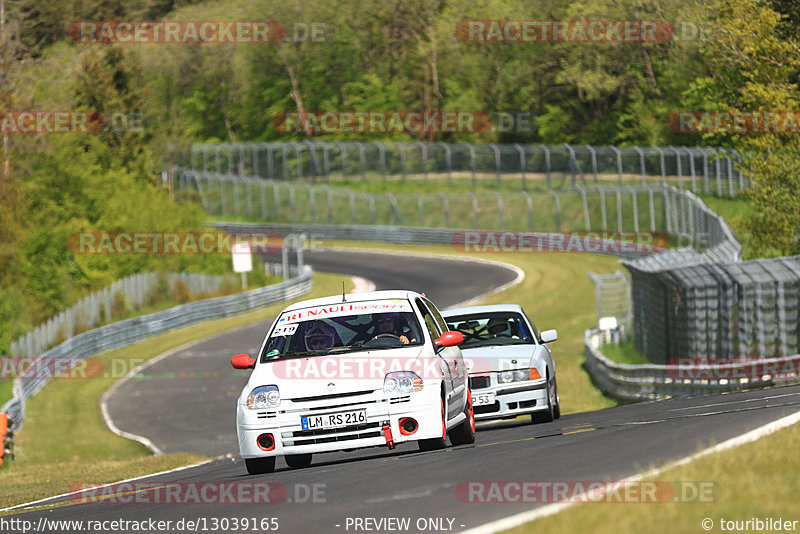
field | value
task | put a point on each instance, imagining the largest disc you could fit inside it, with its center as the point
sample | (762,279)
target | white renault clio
(353,371)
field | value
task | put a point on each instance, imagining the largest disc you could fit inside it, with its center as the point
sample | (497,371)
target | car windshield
(334,329)
(496,328)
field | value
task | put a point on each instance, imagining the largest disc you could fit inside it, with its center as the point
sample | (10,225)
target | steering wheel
(387,335)
(384,340)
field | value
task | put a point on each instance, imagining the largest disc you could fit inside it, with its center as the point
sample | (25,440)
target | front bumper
(511,399)
(284,423)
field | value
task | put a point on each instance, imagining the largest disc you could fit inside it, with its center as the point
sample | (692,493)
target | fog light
(265,442)
(408,426)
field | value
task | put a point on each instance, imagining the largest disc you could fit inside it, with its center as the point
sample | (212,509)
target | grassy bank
(756,480)
(57,447)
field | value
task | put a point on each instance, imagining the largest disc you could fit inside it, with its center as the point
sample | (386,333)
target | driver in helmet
(319,337)
(389,323)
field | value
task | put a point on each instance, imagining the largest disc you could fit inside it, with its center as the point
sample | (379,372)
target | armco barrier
(652,382)
(137,329)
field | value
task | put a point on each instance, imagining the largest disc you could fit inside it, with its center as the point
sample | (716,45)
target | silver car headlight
(264,397)
(518,375)
(401,383)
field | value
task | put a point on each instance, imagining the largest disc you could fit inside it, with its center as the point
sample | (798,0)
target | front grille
(267,415)
(487,408)
(332,396)
(330,435)
(478,382)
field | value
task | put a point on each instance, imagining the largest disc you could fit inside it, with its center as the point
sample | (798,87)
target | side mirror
(243,361)
(548,336)
(452,338)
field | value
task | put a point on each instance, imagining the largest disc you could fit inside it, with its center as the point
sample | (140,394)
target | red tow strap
(387,433)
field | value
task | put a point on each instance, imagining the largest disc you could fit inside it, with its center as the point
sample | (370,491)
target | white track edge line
(516,520)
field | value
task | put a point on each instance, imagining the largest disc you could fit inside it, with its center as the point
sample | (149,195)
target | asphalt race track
(340,490)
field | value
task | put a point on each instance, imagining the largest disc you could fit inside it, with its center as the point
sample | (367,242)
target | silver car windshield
(349,333)
(496,328)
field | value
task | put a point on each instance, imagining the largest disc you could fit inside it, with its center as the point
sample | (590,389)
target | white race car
(511,369)
(353,371)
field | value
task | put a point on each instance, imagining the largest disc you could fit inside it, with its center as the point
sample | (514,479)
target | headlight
(518,375)
(264,397)
(401,382)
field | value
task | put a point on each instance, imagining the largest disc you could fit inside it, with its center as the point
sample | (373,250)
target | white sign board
(242,257)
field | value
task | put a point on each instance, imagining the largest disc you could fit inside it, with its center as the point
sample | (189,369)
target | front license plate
(482,399)
(334,420)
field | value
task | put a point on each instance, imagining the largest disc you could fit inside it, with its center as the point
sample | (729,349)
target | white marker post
(242,260)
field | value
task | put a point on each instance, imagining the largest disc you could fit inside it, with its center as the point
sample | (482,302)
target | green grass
(738,212)
(623,353)
(755,480)
(549,276)
(58,447)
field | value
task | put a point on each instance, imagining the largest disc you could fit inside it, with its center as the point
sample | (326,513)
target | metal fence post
(382,159)
(558,210)
(475,210)
(363,159)
(529,202)
(521,164)
(547,166)
(311,204)
(420,213)
(642,164)
(472,163)
(594,162)
(585,205)
(497,162)
(424,150)
(402,160)
(499,209)
(448,160)
(446,208)
(619,164)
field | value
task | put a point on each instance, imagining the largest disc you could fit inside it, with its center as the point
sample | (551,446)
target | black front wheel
(434,444)
(548,415)
(259,466)
(298,461)
(464,433)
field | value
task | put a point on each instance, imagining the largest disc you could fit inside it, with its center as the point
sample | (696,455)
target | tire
(259,466)
(548,415)
(435,444)
(557,407)
(464,434)
(298,461)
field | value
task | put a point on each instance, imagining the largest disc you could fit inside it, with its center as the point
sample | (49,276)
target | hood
(498,358)
(309,376)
